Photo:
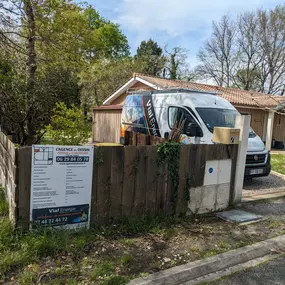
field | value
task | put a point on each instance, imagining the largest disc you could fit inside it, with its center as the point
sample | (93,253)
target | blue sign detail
(211,170)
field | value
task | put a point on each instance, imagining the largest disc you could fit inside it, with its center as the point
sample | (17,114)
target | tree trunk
(31,69)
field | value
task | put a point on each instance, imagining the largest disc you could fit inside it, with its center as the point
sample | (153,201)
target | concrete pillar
(269,132)
(242,123)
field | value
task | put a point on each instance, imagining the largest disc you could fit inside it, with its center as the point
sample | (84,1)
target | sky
(185,23)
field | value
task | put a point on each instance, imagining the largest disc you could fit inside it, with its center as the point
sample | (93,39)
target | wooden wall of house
(106,125)
(257,119)
(279,128)
(138,86)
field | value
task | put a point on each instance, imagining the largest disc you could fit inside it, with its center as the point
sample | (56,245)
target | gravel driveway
(263,185)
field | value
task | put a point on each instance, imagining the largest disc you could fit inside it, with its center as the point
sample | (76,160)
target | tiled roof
(108,107)
(234,95)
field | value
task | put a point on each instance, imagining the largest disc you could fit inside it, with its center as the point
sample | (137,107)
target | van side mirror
(193,130)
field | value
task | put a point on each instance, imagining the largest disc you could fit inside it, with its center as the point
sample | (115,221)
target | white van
(155,112)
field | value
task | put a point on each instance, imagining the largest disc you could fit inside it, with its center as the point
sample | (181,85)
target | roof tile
(234,95)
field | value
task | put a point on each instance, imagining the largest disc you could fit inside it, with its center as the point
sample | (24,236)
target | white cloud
(177,17)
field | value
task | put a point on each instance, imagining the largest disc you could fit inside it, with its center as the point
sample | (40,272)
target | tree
(48,41)
(68,126)
(150,54)
(91,38)
(101,79)
(176,66)
(217,55)
(271,30)
(248,79)
(12,15)
(248,74)
(247,52)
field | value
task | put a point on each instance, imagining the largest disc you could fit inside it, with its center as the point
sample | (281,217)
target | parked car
(155,113)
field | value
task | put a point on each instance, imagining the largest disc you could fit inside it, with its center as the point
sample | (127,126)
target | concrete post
(242,123)
(269,132)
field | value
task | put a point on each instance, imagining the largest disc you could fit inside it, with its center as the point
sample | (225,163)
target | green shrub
(68,126)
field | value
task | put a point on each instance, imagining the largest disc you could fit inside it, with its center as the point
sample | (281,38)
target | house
(267,117)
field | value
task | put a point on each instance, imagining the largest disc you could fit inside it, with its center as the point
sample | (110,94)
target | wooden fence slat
(151,183)
(132,138)
(197,164)
(117,176)
(169,196)
(233,149)
(142,139)
(103,183)
(95,178)
(24,163)
(140,182)
(160,188)
(130,159)
(217,152)
(184,162)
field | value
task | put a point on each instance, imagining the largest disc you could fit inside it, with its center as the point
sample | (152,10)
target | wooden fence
(107,123)
(129,181)
(8,174)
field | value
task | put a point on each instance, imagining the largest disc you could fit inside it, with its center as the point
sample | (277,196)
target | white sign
(61,186)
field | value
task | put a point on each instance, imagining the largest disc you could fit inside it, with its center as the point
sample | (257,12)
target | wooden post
(242,123)
(269,132)
(24,164)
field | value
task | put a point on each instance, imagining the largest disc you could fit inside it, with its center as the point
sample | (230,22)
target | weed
(57,262)
(115,280)
(103,269)
(127,241)
(62,270)
(144,274)
(169,154)
(195,249)
(222,244)
(62,282)
(212,252)
(156,265)
(29,275)
(274,224)
(4,208)
(126,259)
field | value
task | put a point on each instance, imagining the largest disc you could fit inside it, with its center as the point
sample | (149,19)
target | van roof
(172,90)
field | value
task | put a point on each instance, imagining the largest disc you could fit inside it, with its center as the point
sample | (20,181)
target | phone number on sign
(72,159)
(52,221)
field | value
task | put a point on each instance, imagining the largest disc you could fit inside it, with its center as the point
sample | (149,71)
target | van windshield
(215,117)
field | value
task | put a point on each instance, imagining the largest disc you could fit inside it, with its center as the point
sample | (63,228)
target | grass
(115,254)
(4,209)
(274,224)
(103,269)
(29,275)
(126,259)
(18,249)
(278,163)
(127,241)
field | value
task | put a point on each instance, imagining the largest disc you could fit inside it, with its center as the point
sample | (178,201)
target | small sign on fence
(61,186)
